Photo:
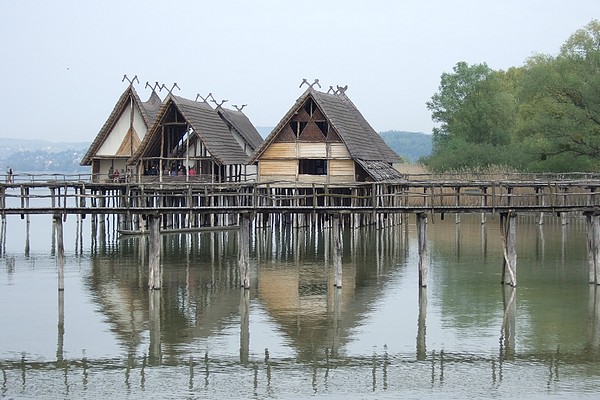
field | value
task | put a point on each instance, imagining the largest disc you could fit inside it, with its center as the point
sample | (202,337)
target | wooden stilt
(593,247)
(508,222)
(422,243)
(60,251)
(154,269)
(337,252)
(244,250)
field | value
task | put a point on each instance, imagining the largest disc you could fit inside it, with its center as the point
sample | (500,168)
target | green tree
(446,105)
(475,106)
(560,102)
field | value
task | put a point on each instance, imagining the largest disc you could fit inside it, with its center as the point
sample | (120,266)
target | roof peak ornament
(310,85)
(204,99)
(240,108)
(338,91)
(172,87)
(219,104)
(156,86)
(126,78)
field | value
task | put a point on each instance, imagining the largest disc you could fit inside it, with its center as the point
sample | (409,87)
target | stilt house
(190,140)
(325,139)
(121,135)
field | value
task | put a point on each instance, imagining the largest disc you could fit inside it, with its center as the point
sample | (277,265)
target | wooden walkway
(416,196)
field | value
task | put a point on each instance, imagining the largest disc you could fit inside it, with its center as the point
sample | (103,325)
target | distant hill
(409,145)
(24,155)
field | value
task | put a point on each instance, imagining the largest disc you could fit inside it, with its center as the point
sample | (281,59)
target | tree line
(543,116)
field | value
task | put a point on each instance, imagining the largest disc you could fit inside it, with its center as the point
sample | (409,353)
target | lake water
(293,335)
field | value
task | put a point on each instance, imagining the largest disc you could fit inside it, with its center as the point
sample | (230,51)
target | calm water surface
(292,335)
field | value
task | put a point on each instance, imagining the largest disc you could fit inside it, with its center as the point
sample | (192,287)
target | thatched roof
(363,143)
(147,109)
(208,126)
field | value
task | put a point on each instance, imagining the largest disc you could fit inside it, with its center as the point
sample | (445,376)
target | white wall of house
(119,131)
(241,142)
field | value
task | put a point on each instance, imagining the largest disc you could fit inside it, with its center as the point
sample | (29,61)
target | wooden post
(60,251)
(154,268)
(337,252)
(509,246)
(244,250)
(422,243)
(593,247)
(483,203)
(539,192)
(457,194)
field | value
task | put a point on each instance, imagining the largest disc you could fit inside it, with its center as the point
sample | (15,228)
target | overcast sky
(62,62)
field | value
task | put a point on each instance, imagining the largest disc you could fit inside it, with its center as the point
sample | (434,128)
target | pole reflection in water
(594,321)
(154,352)
(3,236)
(508,330)
(421,325)
(245,326)
(61,326)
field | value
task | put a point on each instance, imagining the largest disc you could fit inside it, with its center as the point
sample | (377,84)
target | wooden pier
(182,205)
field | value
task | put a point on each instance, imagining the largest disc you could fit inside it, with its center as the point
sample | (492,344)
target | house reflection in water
(201,298)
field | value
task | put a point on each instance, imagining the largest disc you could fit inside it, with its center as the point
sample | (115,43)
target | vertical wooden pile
(509,248)
(60,251)
(422,243)
(337,252)
(244,250)
(154,270)
(593,247)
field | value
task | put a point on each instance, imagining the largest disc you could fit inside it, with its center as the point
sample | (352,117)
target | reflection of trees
(551,302)
(201,282)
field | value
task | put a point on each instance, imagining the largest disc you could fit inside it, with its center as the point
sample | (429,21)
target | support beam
(422,242)
(244,250)
(154,267)
(337,251)
(509,247)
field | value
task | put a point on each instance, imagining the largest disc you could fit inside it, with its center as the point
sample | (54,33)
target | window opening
(323,126)
(312,167)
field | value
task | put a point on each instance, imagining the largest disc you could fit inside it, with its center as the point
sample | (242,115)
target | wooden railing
(40,196)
